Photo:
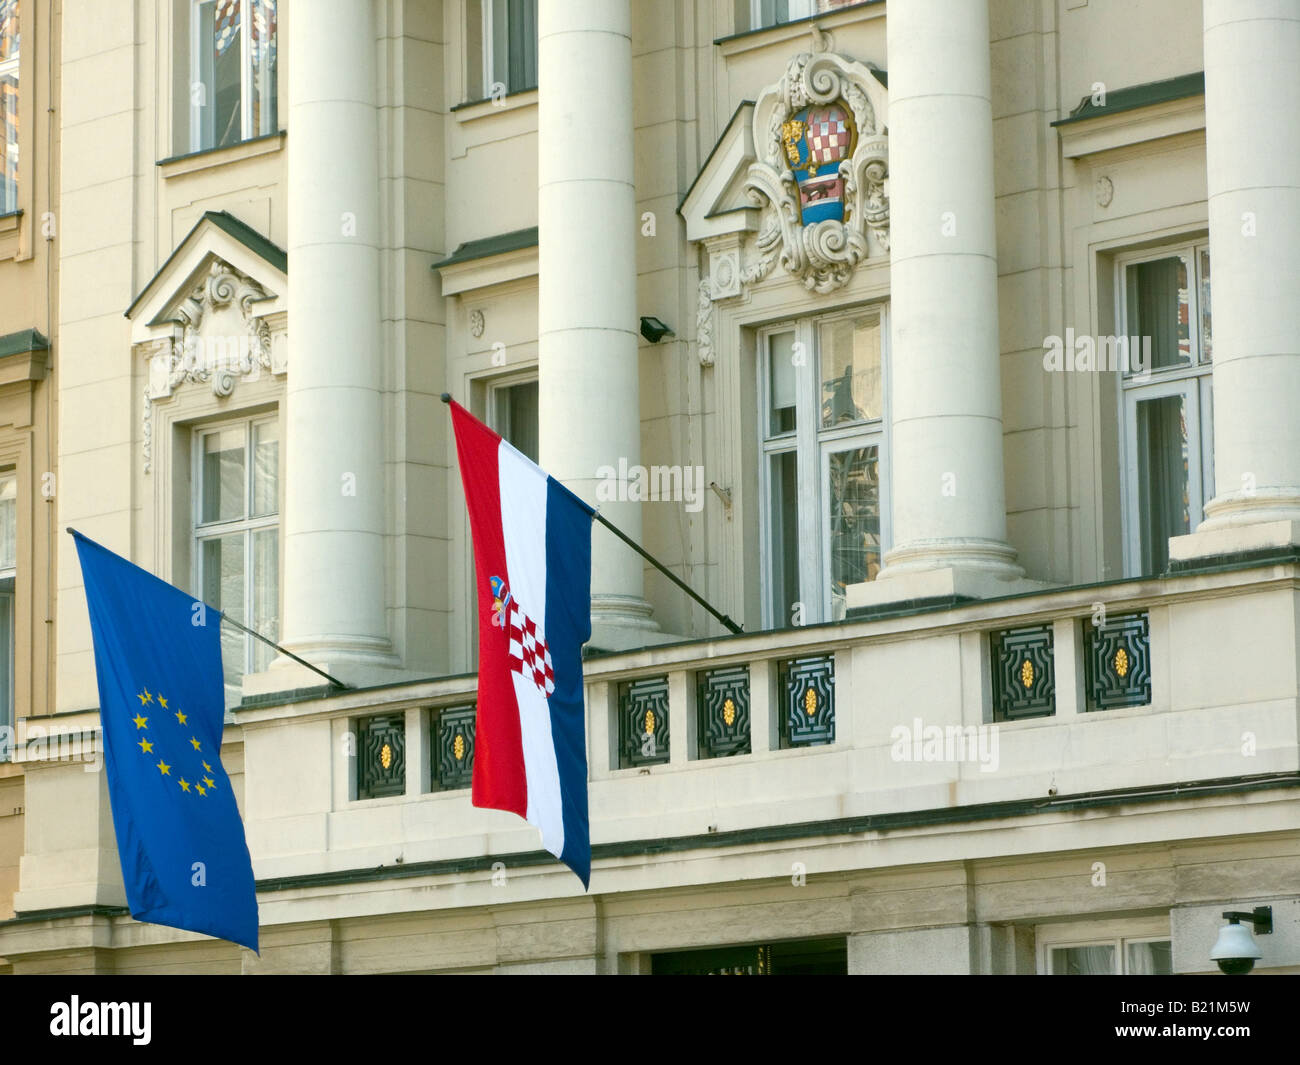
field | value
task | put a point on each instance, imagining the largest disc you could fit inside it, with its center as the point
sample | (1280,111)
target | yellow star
(180,718)
(207,767)
(146,746)
(195,742)
(164,768)
(162,702)
(202,791)
(209,782)
(140,722)
(144,697)
(185,784)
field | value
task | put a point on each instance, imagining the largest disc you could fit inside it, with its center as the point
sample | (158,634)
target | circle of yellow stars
(204,783)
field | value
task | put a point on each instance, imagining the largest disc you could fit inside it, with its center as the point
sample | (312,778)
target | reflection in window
(500,47)
(232,72)
(9,58)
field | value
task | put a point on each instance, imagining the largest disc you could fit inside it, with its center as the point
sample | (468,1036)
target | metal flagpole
(288,654)
(731,626)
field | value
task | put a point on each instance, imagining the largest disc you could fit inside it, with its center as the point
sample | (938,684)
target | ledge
(176,165)
(10,222)
(1134,115)
(518,100)
(22,357)
(489,261)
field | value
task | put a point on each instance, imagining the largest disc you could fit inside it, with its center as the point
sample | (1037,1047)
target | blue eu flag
(161,701)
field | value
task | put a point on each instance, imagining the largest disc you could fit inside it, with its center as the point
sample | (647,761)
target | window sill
(762,36)
(213,157)
(10,222)
(513,101)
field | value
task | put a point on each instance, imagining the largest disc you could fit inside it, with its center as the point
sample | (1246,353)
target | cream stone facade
(1006,504)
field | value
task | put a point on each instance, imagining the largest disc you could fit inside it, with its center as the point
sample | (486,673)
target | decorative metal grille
(1117,663)
(381,756)
(722,704)
(1024,676)
(643,722)
(807,688)
(452,764)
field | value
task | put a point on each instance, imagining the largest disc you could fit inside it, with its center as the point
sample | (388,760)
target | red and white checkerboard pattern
(828,135)
(532,656)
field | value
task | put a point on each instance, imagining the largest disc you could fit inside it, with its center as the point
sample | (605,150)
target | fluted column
(1252,130)
(334,603)
(589,408)
(948,501)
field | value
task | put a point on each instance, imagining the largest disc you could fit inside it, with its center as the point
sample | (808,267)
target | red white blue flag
(532,556)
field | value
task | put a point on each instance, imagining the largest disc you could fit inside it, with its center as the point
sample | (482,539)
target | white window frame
(490,77)
(246,131)
(1193,382)
(797,9)
(8,606)
(13,67)
(502,383)
(204,531)
(814,445)
(1117,932)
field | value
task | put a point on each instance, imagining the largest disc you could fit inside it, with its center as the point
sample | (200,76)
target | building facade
(888,327)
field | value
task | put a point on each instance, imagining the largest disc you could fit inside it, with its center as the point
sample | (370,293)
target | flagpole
(730,625)
(244,628)
(287,653)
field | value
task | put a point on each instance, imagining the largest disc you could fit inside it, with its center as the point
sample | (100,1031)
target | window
(823,452)
(8,571)
(1119,957)
(764,13)
(232,72)
(1167,402)
(514,415)
(501,46)
(9,41)
(236,532)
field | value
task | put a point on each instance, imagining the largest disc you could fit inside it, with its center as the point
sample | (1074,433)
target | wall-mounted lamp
(1236,950)
(654,330)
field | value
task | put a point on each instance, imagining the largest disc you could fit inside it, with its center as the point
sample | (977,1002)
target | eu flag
(162,704)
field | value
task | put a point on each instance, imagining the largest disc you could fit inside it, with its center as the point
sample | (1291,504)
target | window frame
(246,131)
(488,62)
(813,445)
(201,531)
(795,10)
(1116,932)
(13,66)
(1194,381)
(8,646)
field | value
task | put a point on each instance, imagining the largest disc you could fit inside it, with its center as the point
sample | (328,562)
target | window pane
(1163,496)
(474,87)
(1149,959)
(1207,340)
(266,594)
(6,665)
(9,38)
(8,143)
(266,468)
(515,417)
(1084,961)
(223,475)
(219,73)
(784,520)
(1159,308)
(8,526)
(262,49)
(850,370)
(780,347)
(522,37)
(222,559)
(853,514)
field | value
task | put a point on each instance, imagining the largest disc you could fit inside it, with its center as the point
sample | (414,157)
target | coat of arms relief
(801,185)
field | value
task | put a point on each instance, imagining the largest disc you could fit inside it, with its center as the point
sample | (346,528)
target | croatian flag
(532,554)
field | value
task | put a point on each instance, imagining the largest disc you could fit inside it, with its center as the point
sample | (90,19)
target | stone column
(334,601)
(949,510)
(589,408)
(1252,130)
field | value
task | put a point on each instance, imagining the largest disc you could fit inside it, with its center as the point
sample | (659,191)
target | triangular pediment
(716,202)
(218,245)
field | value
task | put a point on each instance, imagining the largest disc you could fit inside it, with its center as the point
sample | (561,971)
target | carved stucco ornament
(820,173)
(218,341)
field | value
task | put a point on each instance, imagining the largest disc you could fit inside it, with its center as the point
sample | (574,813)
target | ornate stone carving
(820,173)
(704,323)
(476,323)
(220,340)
